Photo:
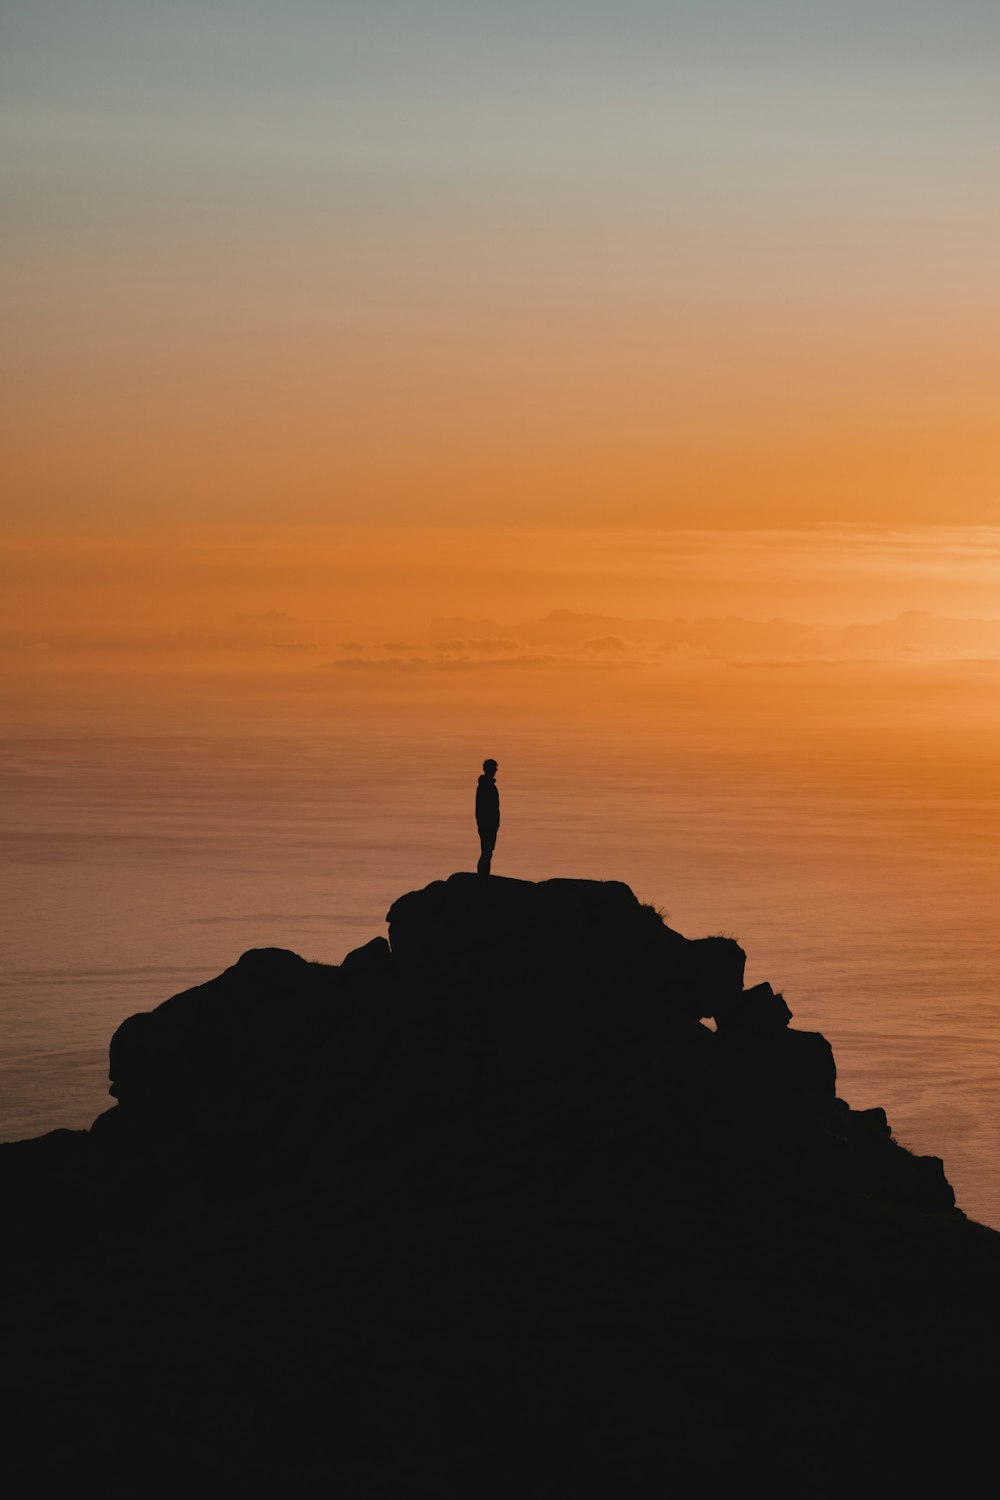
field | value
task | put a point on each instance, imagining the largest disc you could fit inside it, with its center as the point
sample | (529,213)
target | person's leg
(487,840)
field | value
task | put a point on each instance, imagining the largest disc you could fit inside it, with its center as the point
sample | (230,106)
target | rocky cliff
(531,1198)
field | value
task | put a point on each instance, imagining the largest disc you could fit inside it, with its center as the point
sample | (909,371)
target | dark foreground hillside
(490,1209)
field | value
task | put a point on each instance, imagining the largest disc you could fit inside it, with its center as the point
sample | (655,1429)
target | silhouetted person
(487,814)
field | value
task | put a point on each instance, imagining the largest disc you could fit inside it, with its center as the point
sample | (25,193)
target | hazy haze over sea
(825,794)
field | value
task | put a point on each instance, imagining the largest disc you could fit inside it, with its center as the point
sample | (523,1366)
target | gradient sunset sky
(549,264)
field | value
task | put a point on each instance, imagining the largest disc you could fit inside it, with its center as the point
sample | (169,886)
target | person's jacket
(487,803)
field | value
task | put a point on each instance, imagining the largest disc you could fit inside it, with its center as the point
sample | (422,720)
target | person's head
(490,767)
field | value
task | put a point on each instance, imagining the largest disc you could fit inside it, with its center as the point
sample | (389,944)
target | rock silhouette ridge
(495,1001)
(531,1196)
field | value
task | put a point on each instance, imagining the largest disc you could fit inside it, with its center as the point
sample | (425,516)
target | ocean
(855,856)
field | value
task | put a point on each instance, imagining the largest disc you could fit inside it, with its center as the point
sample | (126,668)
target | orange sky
(254,625)
(323,331)
(706,413)
(598,266)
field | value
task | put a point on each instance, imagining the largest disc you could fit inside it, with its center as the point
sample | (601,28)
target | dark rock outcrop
(489,1209)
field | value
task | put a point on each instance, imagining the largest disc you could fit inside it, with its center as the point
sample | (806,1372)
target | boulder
(758,1010)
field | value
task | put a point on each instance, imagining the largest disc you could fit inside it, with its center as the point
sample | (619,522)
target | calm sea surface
(140,863)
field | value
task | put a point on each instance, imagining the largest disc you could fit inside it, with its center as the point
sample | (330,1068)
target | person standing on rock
(487,814)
